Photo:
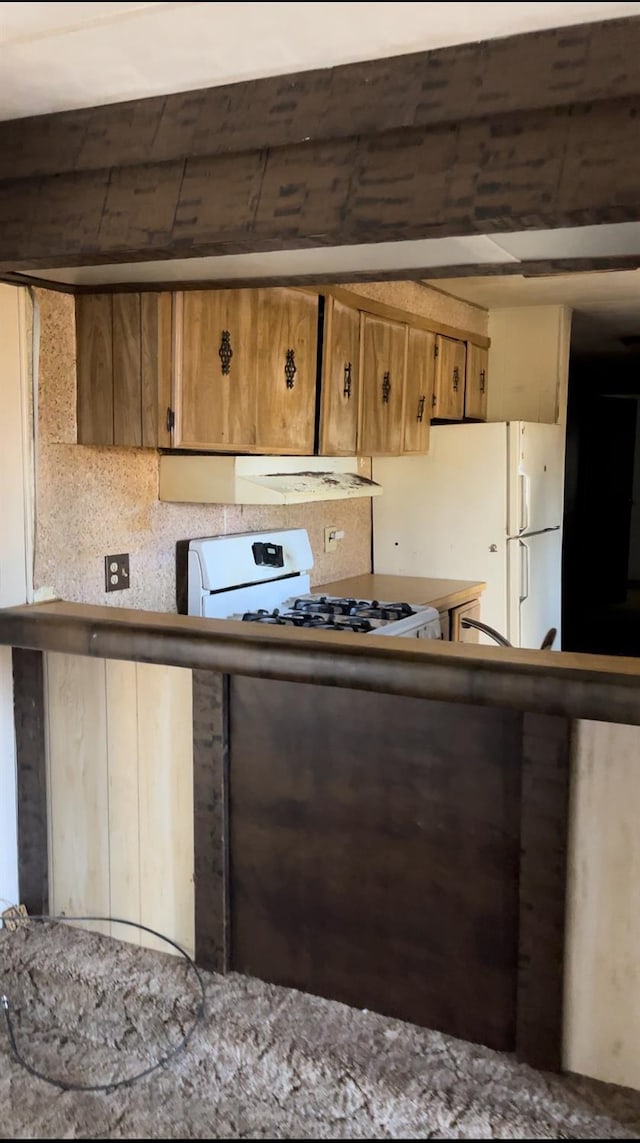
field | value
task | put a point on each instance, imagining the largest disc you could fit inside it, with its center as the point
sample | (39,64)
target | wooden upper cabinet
(340,380)
(448,393)
(475,394)
(382,379)
(123,362)
(287,323)
(419,390)
(94,366)
(216,346)
(237,371)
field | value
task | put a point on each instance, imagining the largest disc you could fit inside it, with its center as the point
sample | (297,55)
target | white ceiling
(59,56)
(606,305)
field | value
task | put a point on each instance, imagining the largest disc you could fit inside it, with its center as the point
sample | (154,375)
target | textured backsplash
(92,502)
(96,501)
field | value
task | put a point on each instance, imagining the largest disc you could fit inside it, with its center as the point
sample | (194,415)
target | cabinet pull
(420,413)
(290,369)
(456,378)
(434,401)
(346,392)
(171,420)
(386,388)
(483,378)
(225,352)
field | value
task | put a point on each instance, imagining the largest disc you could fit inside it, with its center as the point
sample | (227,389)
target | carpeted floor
(266,1063)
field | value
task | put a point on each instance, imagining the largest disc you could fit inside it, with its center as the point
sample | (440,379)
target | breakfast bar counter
(573,685)
(380,820)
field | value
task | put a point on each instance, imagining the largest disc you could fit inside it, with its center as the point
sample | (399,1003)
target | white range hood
(206,479)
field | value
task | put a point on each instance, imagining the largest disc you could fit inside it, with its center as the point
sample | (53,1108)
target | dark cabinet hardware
(347,380)
(290,368)
(456,378)
(420,413)
(434,401)
(225,352)
(386,388)
(483,378)
(268,555)
(171,420)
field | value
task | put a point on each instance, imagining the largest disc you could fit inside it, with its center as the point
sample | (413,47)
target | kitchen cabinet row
(273,370)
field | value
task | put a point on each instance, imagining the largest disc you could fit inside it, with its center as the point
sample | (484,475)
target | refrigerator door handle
(524,571)
(525,485)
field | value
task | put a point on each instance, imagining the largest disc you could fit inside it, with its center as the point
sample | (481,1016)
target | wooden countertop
(548,682)
(440,593)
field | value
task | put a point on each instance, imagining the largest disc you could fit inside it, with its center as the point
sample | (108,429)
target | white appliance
(486,503)
(263,577)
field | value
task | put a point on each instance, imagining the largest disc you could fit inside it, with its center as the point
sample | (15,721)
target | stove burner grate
(361,608)
(326,621)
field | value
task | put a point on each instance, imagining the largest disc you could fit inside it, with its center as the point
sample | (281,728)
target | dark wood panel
(210,785)
(543,876)
(94,338)
(555,67)
(140,205)
(213,188)
(481,176)
(29,718)
(376,862)
(127,369)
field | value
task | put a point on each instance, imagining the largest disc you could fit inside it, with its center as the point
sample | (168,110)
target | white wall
(529,364)
(13,556)
(602,965)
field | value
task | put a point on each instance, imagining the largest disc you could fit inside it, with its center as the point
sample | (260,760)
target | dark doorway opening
(601,556)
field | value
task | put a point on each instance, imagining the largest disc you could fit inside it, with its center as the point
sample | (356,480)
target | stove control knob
(268,555)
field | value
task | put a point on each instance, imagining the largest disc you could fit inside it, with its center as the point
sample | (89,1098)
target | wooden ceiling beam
(557,67)
(567,166)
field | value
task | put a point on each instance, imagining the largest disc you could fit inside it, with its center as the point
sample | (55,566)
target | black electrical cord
(65,1085)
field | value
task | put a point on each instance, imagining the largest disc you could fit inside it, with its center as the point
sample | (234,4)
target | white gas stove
(263,577)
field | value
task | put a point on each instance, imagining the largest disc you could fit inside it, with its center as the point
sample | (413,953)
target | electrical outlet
(116,572)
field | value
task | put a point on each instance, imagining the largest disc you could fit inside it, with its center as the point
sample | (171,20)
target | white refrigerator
(486,503)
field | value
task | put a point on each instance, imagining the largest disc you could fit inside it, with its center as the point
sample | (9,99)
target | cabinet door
(94,366)
(382,379)
(460,634)
(419,390)
(340,380)
(475,392)
(123,355)
(215,369)
(287,371)
(155,365)
(448,395)
(127,383)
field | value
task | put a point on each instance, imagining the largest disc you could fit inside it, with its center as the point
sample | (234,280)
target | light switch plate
(330,539)
(116,572)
